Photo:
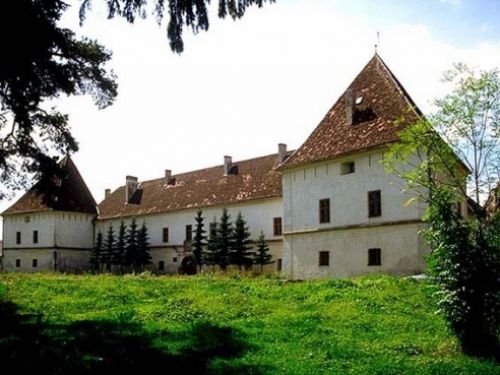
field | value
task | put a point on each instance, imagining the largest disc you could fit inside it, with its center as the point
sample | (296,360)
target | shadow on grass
(105,347)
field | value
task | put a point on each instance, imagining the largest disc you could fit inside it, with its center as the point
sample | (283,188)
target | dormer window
(359,100)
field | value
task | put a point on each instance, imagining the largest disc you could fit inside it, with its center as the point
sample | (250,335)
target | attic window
(347,168)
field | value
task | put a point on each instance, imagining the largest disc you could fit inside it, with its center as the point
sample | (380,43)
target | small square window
(324,258)
(174,259)
(347,168)
(324,210)
(161,265)
(374,257)
(18,238)
(18,263)
(34,263)
(35,236)
(277,226)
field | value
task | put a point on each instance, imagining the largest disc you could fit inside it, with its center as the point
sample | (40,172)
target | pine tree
(262,256)
(211,254)
(109,247)
(121,246)
(143,257)
(225,236)
(240,253)
(199,241)
(96,253)
(132,245)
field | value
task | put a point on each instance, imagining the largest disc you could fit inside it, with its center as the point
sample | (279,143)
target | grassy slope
(367,325)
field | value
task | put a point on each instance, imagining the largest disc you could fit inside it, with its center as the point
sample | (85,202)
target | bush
(465,262)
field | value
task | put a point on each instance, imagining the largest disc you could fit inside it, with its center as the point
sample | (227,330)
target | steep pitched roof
(384,101)
(72,195)
(250,180)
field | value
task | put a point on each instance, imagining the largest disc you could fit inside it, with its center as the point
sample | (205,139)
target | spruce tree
(143,257)
(211,254)
(199,241)
(262,256)
(240,253)
(132,245)
(120,248)
(224,237)
(109,247)
(96,253)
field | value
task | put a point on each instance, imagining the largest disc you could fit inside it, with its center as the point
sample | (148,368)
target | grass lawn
(62,324)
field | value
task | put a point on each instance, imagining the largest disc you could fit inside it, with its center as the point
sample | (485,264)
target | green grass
(62,324)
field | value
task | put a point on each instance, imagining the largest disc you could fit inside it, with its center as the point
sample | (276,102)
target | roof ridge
(212,167)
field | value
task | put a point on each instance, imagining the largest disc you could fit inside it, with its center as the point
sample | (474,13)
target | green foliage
(44,62)
(465,262)
(224,240)
(132,248)
(262,256)
(109,248)
(121,245)
(96,253)
(211,255)
(187,13)
(143,257)
(199,240)
(240,248)
(219,325)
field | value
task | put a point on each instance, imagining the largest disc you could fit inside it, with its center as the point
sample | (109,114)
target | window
(277,226)
(35,236)
(165,234)
(27,219)
(279,264)
(18,238)
(374,204)
(324,210)
(347,168)
(174,259)
(189,232)
(34,263)
(18,263)
(374,257)
(161,265)
(324,258)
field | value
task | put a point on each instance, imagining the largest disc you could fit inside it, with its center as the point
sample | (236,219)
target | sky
(245,86)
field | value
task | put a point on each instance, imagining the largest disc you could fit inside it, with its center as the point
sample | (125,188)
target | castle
(327,209)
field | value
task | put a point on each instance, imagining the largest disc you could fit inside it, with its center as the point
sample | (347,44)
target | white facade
(258,214)
(47,240)
(349,232)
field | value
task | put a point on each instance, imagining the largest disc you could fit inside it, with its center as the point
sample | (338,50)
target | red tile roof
(384,102)
(251,179)
(72,195)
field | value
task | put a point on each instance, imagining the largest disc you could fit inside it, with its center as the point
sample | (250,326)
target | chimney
(107,193)
(349,107)
(281,152)
(228,161)
(130,187)
(168,176)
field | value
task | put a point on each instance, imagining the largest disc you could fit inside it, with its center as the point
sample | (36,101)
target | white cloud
(241,88)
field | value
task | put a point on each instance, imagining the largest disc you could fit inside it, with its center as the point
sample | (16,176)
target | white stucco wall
(348,194)
(43,222)
(67,260)
(350,232)
(401,252)
(74,230)
(259,216)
